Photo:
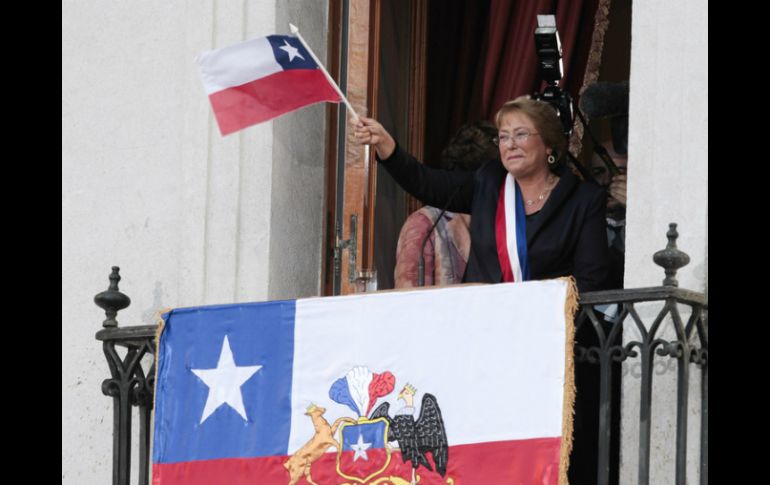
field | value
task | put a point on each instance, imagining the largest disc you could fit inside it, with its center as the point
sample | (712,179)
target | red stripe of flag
(521,461)
(269,97)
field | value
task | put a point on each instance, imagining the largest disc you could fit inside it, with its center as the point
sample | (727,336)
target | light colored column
(668,175)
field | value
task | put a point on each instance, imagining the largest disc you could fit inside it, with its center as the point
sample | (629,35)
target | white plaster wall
(668,182)
(149,184)
(296,231)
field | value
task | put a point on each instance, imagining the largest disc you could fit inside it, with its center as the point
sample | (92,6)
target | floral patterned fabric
(446,251)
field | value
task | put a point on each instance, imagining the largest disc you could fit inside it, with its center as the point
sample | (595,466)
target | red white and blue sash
(511,232)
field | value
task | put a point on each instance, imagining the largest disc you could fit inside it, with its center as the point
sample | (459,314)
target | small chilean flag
(261,79)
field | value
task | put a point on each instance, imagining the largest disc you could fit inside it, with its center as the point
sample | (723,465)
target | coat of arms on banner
(365,438)
(366,444)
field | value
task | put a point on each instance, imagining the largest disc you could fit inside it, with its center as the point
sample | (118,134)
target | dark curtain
(455,41)
(390,202)
(482,54)
(510,61)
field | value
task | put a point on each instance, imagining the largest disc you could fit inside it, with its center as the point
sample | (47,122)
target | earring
(551,159)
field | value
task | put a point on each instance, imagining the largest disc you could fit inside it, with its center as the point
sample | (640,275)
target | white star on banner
(293,51)
(225,382)
(360,449)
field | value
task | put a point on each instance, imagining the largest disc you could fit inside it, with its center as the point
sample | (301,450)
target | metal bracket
(349,244)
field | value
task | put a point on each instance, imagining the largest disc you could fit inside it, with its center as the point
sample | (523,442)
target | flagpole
(295,31)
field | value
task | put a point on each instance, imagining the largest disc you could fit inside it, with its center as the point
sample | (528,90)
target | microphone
(608,100)
(421,259)
(605,100)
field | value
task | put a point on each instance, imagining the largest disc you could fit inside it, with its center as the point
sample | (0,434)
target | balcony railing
(130,385)
(603,345)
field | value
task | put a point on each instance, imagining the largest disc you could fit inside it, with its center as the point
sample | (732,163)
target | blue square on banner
(372,434)
(290,53)
(224,382)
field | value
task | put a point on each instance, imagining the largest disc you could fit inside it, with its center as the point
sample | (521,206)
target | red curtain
(510,65)
(482,54)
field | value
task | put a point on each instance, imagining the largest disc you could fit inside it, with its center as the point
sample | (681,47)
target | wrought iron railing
(130,385)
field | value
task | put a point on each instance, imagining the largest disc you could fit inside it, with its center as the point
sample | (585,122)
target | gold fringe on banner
(568,410)
(158,332)
(601,22)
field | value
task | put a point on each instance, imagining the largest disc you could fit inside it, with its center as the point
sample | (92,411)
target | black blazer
(567,238)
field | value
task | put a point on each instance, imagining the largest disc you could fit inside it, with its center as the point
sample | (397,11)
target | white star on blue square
(290,53)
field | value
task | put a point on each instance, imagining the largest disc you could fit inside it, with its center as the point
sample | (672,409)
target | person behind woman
(531,218)
(615,185)
(445,253)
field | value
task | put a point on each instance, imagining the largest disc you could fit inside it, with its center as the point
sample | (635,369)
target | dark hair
(472,145)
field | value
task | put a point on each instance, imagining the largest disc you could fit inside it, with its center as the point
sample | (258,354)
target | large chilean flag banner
(261,79)
(459,385)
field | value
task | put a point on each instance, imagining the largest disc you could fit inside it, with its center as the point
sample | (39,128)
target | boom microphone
(609,100)
(602,100)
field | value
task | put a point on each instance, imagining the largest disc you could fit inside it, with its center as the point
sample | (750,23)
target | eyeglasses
(519,137)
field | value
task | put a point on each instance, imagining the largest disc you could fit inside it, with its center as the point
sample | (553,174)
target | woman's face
(521,147)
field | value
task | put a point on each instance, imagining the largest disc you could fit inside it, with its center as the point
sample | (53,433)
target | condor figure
(416,438)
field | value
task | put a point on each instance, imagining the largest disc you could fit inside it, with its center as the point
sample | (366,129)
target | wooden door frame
(362,86)
(332,131)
